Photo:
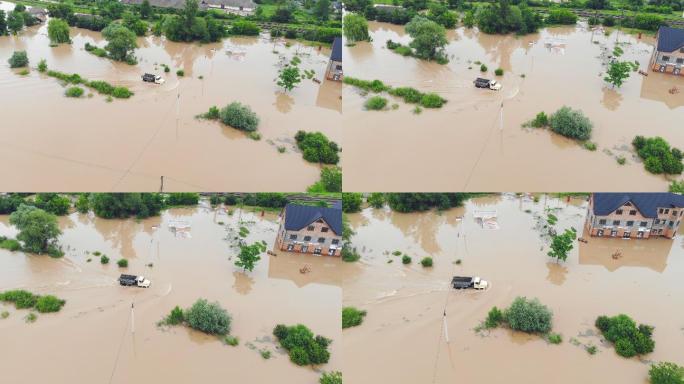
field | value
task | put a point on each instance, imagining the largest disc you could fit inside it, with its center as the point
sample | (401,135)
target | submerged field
(91,144)
(91,338)
(465,146)
(402,341)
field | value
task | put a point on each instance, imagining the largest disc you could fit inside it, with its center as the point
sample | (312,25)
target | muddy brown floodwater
(401,339)
(91,341)
(464,146)
(89,144)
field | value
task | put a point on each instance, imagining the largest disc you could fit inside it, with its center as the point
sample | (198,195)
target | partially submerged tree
(249,256)
(58,31)
(38,230)
(355,28)
(618,72)
(429,38)
(121,41)
(562,244)
(289,77)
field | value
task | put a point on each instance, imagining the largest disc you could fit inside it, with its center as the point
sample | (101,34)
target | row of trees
(14,21)
(405,202)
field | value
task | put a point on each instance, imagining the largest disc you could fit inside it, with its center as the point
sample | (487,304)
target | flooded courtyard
(124,145)
(94,337)
(402,339)
(471,144)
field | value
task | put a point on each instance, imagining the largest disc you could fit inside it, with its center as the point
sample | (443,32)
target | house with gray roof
(334,70)
(241,7)
(668,55)
(311,229)
(634,215)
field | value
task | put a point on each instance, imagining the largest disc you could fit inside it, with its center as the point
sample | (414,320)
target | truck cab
(142,282)
(480,284)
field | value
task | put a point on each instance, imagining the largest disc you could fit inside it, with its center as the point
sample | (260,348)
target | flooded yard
(92,339)
(125,145)
(402,339)
(471,145)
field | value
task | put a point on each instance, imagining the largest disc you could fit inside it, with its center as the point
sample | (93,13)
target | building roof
(35,11)
(202,3)
(646,203)
(336,54)
(670,39)
(299,216)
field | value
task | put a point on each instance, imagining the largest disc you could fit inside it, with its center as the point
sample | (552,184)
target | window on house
(293,237)
(681,50)
(338,67)
(680,61)
(671,223)
(667,211)
(335,241)
(616,222)
(674,213)
(321,240)
(307,238)
(632,212)
(630,223)
(602,221)
(643,223)
(656,221)
(325,229)
(618,212)
(660,210)
(665,58)
(310,228)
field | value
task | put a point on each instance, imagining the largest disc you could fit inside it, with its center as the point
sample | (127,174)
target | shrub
(317,148)
(213,114)
(30,318)
(406,259)
(4,315)
(658,156)
(375,86)
(19,59)
(104,259)
(180,73)
(571,123)
(426,262)
(231,340)
(410,95)
(483,68)
(432,100)
(622,331)
(42,66)
(352,317)
(666,373)
(208,318)
(74,92)
(555,338)
(122,93)
(529,316)
(122,263)
(303,347)
(588,145)
(334,377)
(10,245)
(20,298)
(499,72)
(239,116)
(49,303)
(591,349)
(561,16)
(376,103)
(349,254)
(265,353)
(540,121)
(494,318)
(175,317)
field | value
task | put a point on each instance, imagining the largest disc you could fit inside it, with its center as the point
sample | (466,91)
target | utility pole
(501,118)
(446,328)
(133,317)
(161,186)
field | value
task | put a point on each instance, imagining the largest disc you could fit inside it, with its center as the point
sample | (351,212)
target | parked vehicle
(486,83)
(465,282)
(150,78)
(132,280)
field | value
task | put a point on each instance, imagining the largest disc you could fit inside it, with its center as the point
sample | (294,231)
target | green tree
(666,373)
(249,256)
(82,204)
(58,31)
(469,19)
(618,72)
(38,229)
(317,148)
(3,23)
(355,28)
(529,316)
(18,59)
(334,377)
(123,205)
(133,22)
(145,9)
(53,203)
(571,123)
(351,202)
(376,200)
(289,77)
(15,22)
(352,317)
(208,317)
(331,178)
(121,41)
(429,38)
(412,202)
(562,244)
(322,10)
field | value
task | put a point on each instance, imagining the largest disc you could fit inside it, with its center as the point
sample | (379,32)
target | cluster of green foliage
(18,59)
(104,259)
(406,259)
(429,39)
(122,263)
(408,94)
(208,317)
(263,199)
(182,198)
(561,16)
(38,230)
(571,123)
(10,202)
(289,76)
(16,20)
(501,17)
(555,338)
(529,316)
(236,115)
(52,202)
(102,87)
(352,317)
(95,50)
(622,331)
(249,256)
(412,202)
(562,244)
(303,348)
(355,28)
(351,202)
(658,156)
(233,341)
(175,317)
(618,72)
(331,181)
(11,245)
(189,26)
(376,200)
(334,377)
(121,42)
(58,31)
(376,103)
(426,262)
(24,300)
(666,373)
(317,148)
(124,205)
(349,254)
(75,92)
(244,28)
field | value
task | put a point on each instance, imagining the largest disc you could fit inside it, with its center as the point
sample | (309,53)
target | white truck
(486,83)
(465,282)
(151,78)
(132,280)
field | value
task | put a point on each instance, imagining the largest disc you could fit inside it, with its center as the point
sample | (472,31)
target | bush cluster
(571,123)
(529,316)
(317,148)
(303,348)
(18,59)
(24,299)
(629,339)
(101,87)
(658,156)
(376,103)
(408,94)
(207,317)
(238,116)
(352,317)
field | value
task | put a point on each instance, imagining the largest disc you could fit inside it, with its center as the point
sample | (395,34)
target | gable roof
(300,216)
(336,54)
(670,39)
(646,203)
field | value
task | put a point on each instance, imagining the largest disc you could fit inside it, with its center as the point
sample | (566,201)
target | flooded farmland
(402,341)
(470,145)
(127,145)
(91,339)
